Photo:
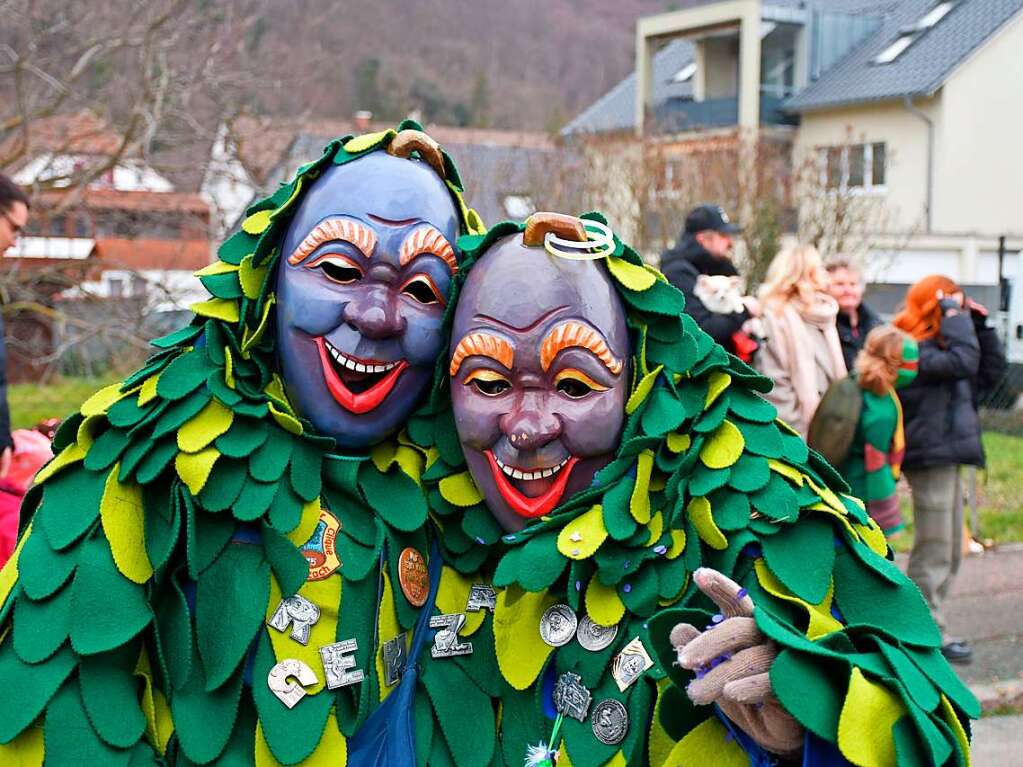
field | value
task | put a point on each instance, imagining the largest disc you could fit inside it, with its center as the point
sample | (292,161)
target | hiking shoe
(957,651)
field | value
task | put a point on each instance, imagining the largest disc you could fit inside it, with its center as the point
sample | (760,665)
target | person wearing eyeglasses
(14,205)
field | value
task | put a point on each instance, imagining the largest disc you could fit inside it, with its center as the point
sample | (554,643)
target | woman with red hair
(942,433)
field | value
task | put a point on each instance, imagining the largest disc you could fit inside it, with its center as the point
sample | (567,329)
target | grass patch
(31,403)
(999,500)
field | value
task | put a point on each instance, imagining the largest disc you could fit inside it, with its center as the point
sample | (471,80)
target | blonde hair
(877,364)
(796,272)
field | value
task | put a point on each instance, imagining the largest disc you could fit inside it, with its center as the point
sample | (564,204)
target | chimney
(362,119)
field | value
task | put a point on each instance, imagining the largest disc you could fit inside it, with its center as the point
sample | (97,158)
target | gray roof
(616,109)
(921,69)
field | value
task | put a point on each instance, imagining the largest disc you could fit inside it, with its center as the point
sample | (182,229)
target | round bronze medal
(413,577)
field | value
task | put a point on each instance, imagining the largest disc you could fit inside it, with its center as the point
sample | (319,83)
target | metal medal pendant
(610,721)
(395,654)
(446,643)
(481,596)
(571,698)
(413,577)
(287,690)
(630,664)
(558,624)
(593,636)
(338,664)
(299,613)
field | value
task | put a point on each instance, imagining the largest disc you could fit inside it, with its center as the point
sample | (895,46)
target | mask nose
(530,425)
(375,316)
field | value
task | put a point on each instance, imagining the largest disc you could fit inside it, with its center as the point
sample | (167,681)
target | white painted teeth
(538,474)
(349,363)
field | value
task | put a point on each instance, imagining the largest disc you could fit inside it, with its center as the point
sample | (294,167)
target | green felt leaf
(41,570)
(676,355)
(639,592)
(305,470)
(663,413)
(162,523)
(917,685)
(152,465)
(178,413)
(106,449)
(748,405)
(810,689)
(909,751)
(254,499)
(750,474)
(285,509)
(203,720)
(180,336)
(208,535)
(110,695)
(794,449)
(705,480)
(289,564)
(731,509)
(70,505)
(762,438)
(343,473)
(268,462)
(479,525)
(230,606)
(540,564)
(35,683)
(244,436)
(938,670)
(221,391)
(69,738)
(395,496)
(713,417)
(106,608)
(466,719)
(424,725)
(776,500)
(224,485)
(183,375)
(127,412)
(133,456)
(356,559)
(174,625)
(40,628)
(802,555)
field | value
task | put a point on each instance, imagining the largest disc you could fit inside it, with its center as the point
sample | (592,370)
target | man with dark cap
(705,248)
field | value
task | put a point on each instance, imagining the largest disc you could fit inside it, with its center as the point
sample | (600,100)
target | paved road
(997,742)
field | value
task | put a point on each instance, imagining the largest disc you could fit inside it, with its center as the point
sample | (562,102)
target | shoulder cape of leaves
(706,475)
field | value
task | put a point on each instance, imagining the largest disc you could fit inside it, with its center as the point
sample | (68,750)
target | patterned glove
(732,660)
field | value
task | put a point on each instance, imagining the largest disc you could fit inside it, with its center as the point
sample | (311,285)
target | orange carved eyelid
(481,345)
(575,334)
(484,375)
(332,230)
(580,376)
(433,286)
(333,258)
(427,239)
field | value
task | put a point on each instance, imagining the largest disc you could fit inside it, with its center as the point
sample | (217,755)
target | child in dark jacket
(888,360)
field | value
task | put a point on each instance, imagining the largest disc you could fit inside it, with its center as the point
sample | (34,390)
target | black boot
(957,651)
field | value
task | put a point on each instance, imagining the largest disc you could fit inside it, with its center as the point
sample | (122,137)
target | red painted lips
(361,402)
(531,508)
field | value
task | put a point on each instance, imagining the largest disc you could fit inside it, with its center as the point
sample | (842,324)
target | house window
(909,35)
(893,51)
(853,166)
(115,286)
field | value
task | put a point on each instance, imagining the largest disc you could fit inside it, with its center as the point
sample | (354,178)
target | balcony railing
(678,115)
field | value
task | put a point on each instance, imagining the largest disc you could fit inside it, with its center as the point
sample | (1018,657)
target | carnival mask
(538,375)
(365,270)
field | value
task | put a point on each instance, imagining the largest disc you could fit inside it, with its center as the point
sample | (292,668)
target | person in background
(802,353)
(888,361)
(705,247)
(942,434)
(855,319)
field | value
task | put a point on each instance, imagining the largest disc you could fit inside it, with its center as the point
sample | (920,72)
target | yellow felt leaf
(228,367)
(411,461)
(217,267)
(700,512)
(660,743)
(9,571)
(717,382)
(382,455)
(205,426)
(639,504)
(618,760)
(387,628)
(147,390)
(869,713)
(633,277)
(678,443)
(218,309)
(521,652)
(290,201)
(275,388)
(821,622)
(332,750)
(789,472)
(873,536)
(453,596)
(656,528)
(251,277)
(949,715)
(828,496)
(460,490)
(708,745)
(159,723)
(581,537)
(287,422)
(123,519)
(724,446)
(306,523)
(326,595)
(251,338)
(603,604)
(563,759)
(678,544)
(257,222)
(26,750)
(98,403)
(194,468)
(473,221)
(642,390)
(65,457)
(367,141)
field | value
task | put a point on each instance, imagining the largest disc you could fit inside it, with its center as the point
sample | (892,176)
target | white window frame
(868,186)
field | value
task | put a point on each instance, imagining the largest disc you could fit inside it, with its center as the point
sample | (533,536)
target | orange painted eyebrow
(331,230)
(572,334)
(427,239)
(482,345)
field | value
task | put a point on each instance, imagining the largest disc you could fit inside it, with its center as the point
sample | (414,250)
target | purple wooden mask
(365,269)
(539,377)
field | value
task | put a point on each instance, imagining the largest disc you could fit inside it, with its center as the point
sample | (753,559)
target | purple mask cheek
(581,436)
(422,341)
(478,418)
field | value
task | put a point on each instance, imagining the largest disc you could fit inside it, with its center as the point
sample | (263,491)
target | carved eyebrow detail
(482,345)
(427,239)
(575,334)
(359,235)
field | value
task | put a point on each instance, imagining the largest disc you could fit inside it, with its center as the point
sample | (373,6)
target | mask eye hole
(421,289)
(575,384)
(488,383)
(339,270)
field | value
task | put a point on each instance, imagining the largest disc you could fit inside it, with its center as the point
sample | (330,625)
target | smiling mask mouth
(357,385)
(522,504)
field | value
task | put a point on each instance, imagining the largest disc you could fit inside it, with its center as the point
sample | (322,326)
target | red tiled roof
(78,133)
(114,253)
(114,199)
